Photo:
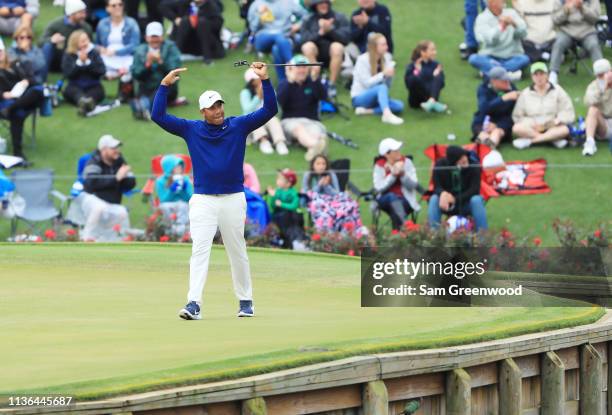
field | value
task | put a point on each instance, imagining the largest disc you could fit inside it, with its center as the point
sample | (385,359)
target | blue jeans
(476,210)
(397,207)
(484,63)
(471,13)
(377,98)
(280,47)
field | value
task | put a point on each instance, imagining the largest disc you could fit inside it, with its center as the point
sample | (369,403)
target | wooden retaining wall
(551,373)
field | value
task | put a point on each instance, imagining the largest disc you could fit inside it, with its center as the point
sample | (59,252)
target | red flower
(530,265)
(493,250)
(173,216)
(537,241)
(316,237)
(511,244)
(128,238)
(349,226)
(597,233)
(70,232)
(351,252)
(153,218)
(117,227)
(411,226)
(505,233)
(394,232)
(164,238)
(50,234)
(186,237)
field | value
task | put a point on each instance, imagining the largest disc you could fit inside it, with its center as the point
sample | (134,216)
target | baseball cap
(601,66)
(538,66)
(297,59)
(388,144)
(498,73)
(208,98)
(154,29)
(289,175)
(250,75)
(108,141)
(74,6)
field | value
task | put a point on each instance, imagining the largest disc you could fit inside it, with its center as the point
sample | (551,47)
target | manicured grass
(581,194)
(96,320)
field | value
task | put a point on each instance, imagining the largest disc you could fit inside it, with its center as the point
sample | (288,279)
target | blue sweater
(217,151)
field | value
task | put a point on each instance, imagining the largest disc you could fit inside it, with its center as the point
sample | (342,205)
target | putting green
(96,320)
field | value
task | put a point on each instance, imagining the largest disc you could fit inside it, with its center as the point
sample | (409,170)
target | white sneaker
(560,143)
(590,148)
(265,147)
(553,78)
(515,76)
(362,111)
(392,119)
(521,143)
(281,149)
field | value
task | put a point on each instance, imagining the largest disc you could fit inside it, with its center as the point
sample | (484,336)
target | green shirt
(290,200)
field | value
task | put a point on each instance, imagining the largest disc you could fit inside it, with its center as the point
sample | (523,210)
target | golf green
(97,320)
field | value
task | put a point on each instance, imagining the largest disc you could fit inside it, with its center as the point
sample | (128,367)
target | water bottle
(581,125)
(2,145)
(46,109)
(486,123)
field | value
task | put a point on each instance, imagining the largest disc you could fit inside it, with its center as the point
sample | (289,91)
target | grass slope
(578,193)
(95,320)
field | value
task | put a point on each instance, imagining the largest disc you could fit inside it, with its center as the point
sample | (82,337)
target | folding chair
(36,187)
(157,170)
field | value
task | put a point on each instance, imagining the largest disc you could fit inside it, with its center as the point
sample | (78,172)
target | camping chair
(577,55)
(35,187)
(156,169)
(33,114)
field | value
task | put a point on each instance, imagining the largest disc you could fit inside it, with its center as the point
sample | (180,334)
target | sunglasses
(24,37)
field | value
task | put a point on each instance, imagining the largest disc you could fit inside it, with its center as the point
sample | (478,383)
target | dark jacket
(425,75)
(301,100)
(18,71)
(106,187)
(61,25)
(171,9)
(462,183)
(341,31)
(379,22)
(490,103)
(149,78)
(83,76)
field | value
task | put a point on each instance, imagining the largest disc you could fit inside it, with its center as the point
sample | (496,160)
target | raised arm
(269,109)
(170,123)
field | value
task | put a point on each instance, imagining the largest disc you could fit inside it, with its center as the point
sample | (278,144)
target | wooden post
(254,406)
(510,388)
(375,398)
(609,378)
(552,375)
(458,393)
(590,380)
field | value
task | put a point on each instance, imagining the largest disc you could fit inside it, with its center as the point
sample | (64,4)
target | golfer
(216,146)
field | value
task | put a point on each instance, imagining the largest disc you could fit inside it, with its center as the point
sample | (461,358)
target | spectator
(575,21)
(117,37)
(107,176)
(83,67)
(29,54)
(470,45)
(284,202)
(174,189)
(598,99)
(395,182)
(324,34)
(370,17)
(330,209)
(499,31)
(152,61)
(457,189)
(20,96)
(7,210)
(374,71)
(59,30)
(153,13)
(251,181)
(17,13)
(496,99)
(542,112)
(540,27)
(251,98)
(424,78)
(271,25)
(197,26)
(299,96)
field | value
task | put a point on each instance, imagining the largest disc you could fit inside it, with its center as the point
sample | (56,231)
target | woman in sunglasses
(25,51)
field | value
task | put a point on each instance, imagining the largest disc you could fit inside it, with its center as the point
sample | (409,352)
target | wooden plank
(254,406)
(415,386)
(529,365)
(484,400)
(375,399)
(572,408)
(458,393)
(590,381)
(510,383)
(315,401)
(482,375)
(570,357)
(553,384)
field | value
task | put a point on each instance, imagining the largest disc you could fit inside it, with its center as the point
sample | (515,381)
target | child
(174,190)
(284,202)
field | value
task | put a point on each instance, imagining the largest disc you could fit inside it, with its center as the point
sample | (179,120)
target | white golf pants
(206,212)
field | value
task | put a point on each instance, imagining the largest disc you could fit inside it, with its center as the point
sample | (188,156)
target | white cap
(601,66)
(154,29)
(108,141)
(74,6)
(208,98)
(388,144)
(250,75)
(492,160)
